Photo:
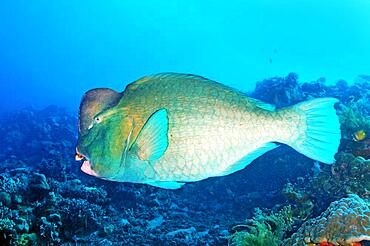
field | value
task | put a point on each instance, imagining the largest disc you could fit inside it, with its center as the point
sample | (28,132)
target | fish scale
(211,124)
(171,128)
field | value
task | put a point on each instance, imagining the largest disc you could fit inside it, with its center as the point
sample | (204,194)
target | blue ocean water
(280,52)
(52,52)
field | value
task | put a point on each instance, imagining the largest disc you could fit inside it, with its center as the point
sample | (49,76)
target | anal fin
(171,185)
(243,162)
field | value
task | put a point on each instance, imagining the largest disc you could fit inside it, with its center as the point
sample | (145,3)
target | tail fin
(321,139)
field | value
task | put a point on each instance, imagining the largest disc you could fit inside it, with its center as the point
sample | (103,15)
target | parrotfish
(168,129)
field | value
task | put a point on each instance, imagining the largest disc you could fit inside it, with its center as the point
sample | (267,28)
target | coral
(302,201)
(187,236)
(9,184)
(27,239)
(48,135)
(311,195)
(13,226)
(38,182)
(158,221)
(286,90)
(47,200)
(349,174)
(263,229)
(7,230)
(75,189)
(5,199)
(345,222)
(38,186)
(317,87)
(39,210)
(260,234)
(80,215)
(50,230)
(187,231)
(354,116)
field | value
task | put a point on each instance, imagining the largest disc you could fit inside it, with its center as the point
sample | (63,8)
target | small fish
(359,135)
(168,129)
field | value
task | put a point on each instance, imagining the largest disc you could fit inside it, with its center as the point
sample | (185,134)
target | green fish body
(168,129)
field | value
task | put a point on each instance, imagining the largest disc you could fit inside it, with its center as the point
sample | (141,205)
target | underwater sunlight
(239,123)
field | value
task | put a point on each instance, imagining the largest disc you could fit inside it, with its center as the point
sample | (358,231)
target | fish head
(92,103)
(104,130)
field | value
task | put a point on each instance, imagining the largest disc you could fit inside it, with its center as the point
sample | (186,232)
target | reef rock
(38,182)
(5,199)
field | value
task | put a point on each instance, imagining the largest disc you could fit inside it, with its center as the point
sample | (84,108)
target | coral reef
(37,132)
(263,228)
(286,90)
(44,197)
(348,175)
(355,117)
(59,204)
(310,194)
(301,201)
(345,222)
(31,211)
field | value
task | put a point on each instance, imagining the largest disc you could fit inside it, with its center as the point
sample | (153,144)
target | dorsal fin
(263,105)
(152,141)
(177,75)
(165,76)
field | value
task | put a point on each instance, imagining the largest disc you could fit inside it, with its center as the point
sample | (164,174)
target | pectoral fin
(127,143)
(152,140)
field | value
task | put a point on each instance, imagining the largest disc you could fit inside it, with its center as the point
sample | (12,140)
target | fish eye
(97,119)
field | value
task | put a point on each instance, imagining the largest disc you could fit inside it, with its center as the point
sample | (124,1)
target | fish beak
(86,165)
(86,168)
(79,157)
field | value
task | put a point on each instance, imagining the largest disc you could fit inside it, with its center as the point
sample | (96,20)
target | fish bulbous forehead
(94,102)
